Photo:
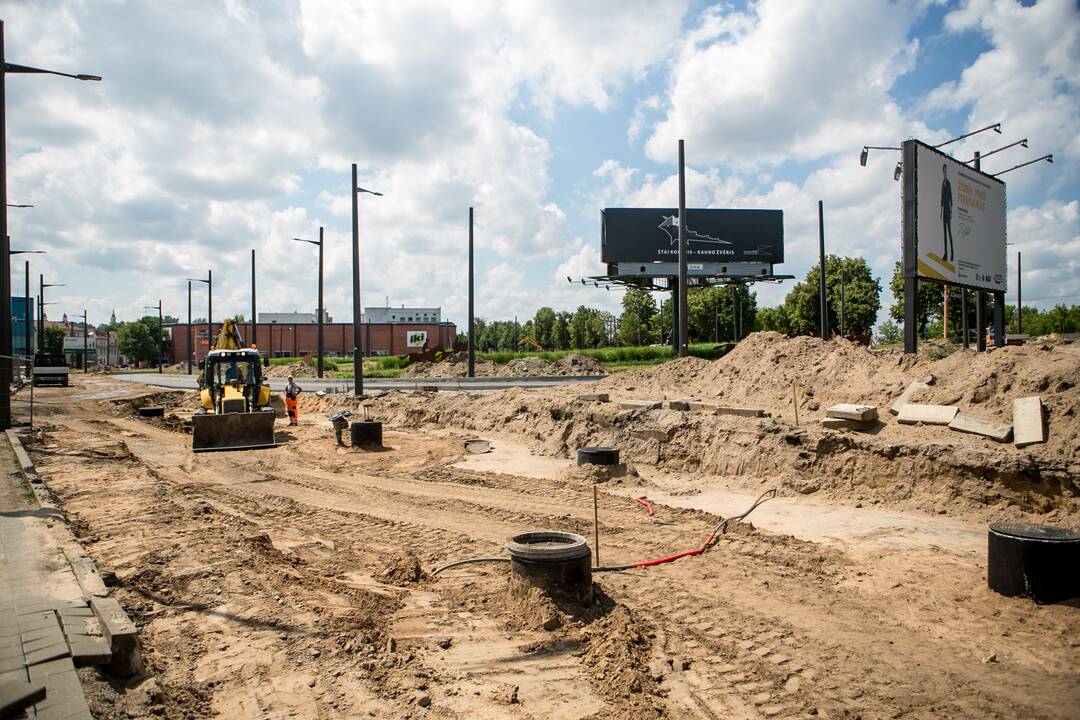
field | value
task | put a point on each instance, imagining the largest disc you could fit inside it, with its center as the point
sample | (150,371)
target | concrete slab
(593,397)
(842,424)
(120,633)
(967,423)
(639,405)
(741,411)
(683,404)
(1028,427)
(913,413)
(911,393)
(849,411)
(16,695)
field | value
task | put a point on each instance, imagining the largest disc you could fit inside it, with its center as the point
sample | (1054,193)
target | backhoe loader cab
(236,412)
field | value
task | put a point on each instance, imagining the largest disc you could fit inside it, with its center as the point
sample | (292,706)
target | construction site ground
(294,581)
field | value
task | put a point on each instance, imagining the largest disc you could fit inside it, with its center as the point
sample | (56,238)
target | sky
(226,125)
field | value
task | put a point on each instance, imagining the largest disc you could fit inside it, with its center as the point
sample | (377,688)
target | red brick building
(300,339)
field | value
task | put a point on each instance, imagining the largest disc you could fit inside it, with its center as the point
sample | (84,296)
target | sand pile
(924,467)
(456,365)
(296,369)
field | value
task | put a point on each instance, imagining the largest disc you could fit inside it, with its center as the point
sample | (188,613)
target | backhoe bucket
(232,431)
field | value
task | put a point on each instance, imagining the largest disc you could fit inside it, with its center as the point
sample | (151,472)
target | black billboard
(640,235)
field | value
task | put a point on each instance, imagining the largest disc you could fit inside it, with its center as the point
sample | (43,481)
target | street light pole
(160,333)
(358,359)
(319,340)
(208,280)
(254,321)
(189,345)
(42,304)
(5,245)
(472,333)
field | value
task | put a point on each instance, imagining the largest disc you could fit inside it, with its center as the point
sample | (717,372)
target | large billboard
(645,235)
(960,222)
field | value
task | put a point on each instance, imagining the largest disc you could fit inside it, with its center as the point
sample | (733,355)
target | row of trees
(553,330)
(853,298)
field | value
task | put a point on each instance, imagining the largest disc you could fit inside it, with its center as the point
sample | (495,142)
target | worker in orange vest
(292,392)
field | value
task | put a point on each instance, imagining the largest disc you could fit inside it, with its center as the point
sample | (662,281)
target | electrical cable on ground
(645,503)
(720,528)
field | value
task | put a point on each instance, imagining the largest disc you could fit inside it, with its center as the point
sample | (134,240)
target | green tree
(888,333)
(639,309)
(847,278)
(544,325)
(710,312)
(774,318)
(562,331)
(54,339)
(928,303)
(135,341)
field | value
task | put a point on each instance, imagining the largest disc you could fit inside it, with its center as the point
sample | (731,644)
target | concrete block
(638,405)
(912,392)
(912,413)
(842,424)
(121,635)
(741,411)
(848,411)
(1028,427)
(86,572)
(967,423)
(593,397)
(683,404)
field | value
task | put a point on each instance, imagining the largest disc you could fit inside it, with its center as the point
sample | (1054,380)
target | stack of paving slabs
(847,416)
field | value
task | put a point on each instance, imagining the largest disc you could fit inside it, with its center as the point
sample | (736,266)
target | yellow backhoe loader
(236,412)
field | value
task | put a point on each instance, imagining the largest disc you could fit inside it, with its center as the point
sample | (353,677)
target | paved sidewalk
(46,626)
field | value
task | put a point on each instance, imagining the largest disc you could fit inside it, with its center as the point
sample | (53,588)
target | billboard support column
(964,313)
(674,315)
(980,321)
(1019,299)
(821,271)
(999,319)
(910,252)
(684,350)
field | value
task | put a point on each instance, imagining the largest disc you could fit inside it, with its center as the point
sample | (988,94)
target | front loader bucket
(232,431)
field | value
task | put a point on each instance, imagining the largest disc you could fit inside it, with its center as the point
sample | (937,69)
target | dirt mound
(928,468)
(403,569)
(456,365)
(296,369)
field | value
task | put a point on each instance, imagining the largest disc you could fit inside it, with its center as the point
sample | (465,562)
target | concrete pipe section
(559,563)
(1035,561)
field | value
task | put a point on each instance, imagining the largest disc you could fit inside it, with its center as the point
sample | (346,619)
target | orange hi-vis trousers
(291,409)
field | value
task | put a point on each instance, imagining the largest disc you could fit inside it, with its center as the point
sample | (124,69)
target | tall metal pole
(41,308)
(358,360)
(160,335)
(189,338)
(86,339)
(980,296)
(472,329)
(1019,299)
(209,310)
(910,251)
(734,324)
(964,320)
(254,321)
(821,271)
(27,330)
(684,349)
(5,251)
(319,363)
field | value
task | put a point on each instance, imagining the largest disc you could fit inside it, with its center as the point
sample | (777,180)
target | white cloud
(786,79)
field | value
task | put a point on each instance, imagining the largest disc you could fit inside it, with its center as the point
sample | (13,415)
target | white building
(402,315)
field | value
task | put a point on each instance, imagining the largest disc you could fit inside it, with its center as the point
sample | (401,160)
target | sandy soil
(293,582)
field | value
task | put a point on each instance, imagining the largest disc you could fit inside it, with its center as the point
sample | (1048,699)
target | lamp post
(209,280)
(358,360)
(86,333)
(26,300)
(160,332)
(41,303)
(7,68)
(319,341)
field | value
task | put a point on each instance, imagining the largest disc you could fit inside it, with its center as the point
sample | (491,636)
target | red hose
(676,556)
(645,503)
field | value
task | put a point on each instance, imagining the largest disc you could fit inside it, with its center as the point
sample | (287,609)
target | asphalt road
(187,382)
